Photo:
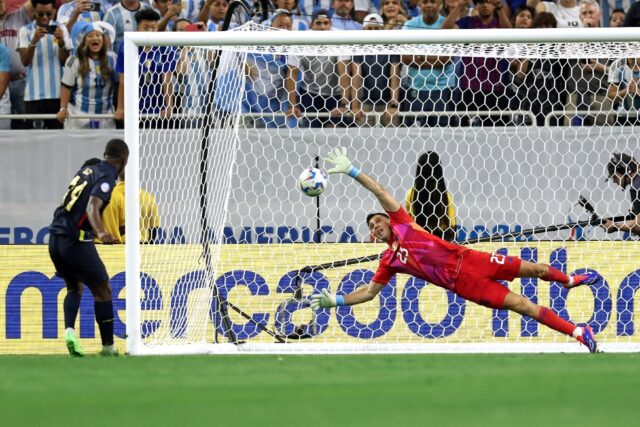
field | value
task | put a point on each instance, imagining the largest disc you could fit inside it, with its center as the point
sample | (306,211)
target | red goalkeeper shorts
(477,277)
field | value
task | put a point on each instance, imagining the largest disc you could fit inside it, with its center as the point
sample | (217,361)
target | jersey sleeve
(383,274)
(103,189)
(400,216)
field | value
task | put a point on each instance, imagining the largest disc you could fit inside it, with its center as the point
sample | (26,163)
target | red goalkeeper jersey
(414,251)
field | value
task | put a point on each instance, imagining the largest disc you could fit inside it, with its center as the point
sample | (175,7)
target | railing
(376,115)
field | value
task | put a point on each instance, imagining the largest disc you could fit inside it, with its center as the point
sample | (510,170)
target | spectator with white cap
(380,89)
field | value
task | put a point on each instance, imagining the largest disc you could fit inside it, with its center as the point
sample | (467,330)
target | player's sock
(71,306)
(577,332)
(104,318)
(549,318)
(555,275)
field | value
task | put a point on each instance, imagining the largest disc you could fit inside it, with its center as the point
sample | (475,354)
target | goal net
(498,140)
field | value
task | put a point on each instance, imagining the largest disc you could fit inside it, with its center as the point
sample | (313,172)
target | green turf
(399,390)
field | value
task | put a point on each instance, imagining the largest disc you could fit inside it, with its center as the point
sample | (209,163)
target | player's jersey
(95,178)
(414,251)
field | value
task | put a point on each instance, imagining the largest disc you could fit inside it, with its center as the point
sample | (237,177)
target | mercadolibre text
(395,309)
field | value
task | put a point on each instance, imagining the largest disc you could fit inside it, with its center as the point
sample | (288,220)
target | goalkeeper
(468,273)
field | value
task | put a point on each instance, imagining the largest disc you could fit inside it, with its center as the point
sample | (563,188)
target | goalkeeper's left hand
(323,300)
(339,158)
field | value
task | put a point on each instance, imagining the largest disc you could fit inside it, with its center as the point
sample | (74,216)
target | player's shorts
(478,275)
(77,261)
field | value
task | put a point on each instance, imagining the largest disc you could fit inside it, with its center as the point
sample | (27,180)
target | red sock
(555,322)
(555,275)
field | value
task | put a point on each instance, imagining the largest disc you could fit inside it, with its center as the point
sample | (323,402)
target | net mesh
(476,140)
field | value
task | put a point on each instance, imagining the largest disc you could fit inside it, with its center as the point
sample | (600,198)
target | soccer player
(468,273)
(623,170)
(113,216)
(71,247)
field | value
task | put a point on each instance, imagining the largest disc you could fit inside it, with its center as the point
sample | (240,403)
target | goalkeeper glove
(339,158)
(325,300)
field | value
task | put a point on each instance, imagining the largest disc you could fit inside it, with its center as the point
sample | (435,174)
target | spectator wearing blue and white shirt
(82,11)
(44,46)
(213,13)
(122,17)
(156,67)
(298,23)
(5,73)
(88,80)
(169,12)
(10,24)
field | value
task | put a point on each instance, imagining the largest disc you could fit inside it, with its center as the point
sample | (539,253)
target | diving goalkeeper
(468,273)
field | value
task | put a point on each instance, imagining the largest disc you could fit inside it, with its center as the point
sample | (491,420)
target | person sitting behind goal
(113,216)
(624,75)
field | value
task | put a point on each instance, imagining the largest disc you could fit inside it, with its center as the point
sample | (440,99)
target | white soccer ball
(312,182)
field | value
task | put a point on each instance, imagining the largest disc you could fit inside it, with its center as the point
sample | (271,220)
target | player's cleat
(109,350)
(588,340)
(586,279)
(73,345)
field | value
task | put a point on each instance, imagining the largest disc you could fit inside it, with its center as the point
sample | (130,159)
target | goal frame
(134,40)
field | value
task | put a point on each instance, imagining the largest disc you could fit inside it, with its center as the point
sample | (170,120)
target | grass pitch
(372,390)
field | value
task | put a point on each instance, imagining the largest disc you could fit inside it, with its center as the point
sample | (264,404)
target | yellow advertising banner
(259,280)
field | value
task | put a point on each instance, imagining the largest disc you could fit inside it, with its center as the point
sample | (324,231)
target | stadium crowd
(66,59)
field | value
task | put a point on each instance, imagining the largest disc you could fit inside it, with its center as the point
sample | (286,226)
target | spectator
(122,17)
(412,7)
(624,75)
(320,89)
(344,16)
(298,23)
(88,80)
(265,84)
(380,90)
(522,19)
(44,46)
(156,67)
(5,76)
(192,78)
(169,11)
(82,11)
(632,19)
(481,79)
(350,79)
(309,7)
(541,83)
(10,24)
(190,9)
(588,82)
(609,7)
(213,13)
(566,12)
(429,80)
(617,18)
(393,13)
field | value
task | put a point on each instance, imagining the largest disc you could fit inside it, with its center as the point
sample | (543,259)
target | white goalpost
(502,134)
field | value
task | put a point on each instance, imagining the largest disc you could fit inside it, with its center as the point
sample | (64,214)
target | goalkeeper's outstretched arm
(338,157)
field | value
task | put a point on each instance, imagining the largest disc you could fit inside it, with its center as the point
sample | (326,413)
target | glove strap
(339,300)
(354,172)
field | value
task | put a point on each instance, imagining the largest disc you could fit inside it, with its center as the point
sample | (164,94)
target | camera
(51,29)
(94,7)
